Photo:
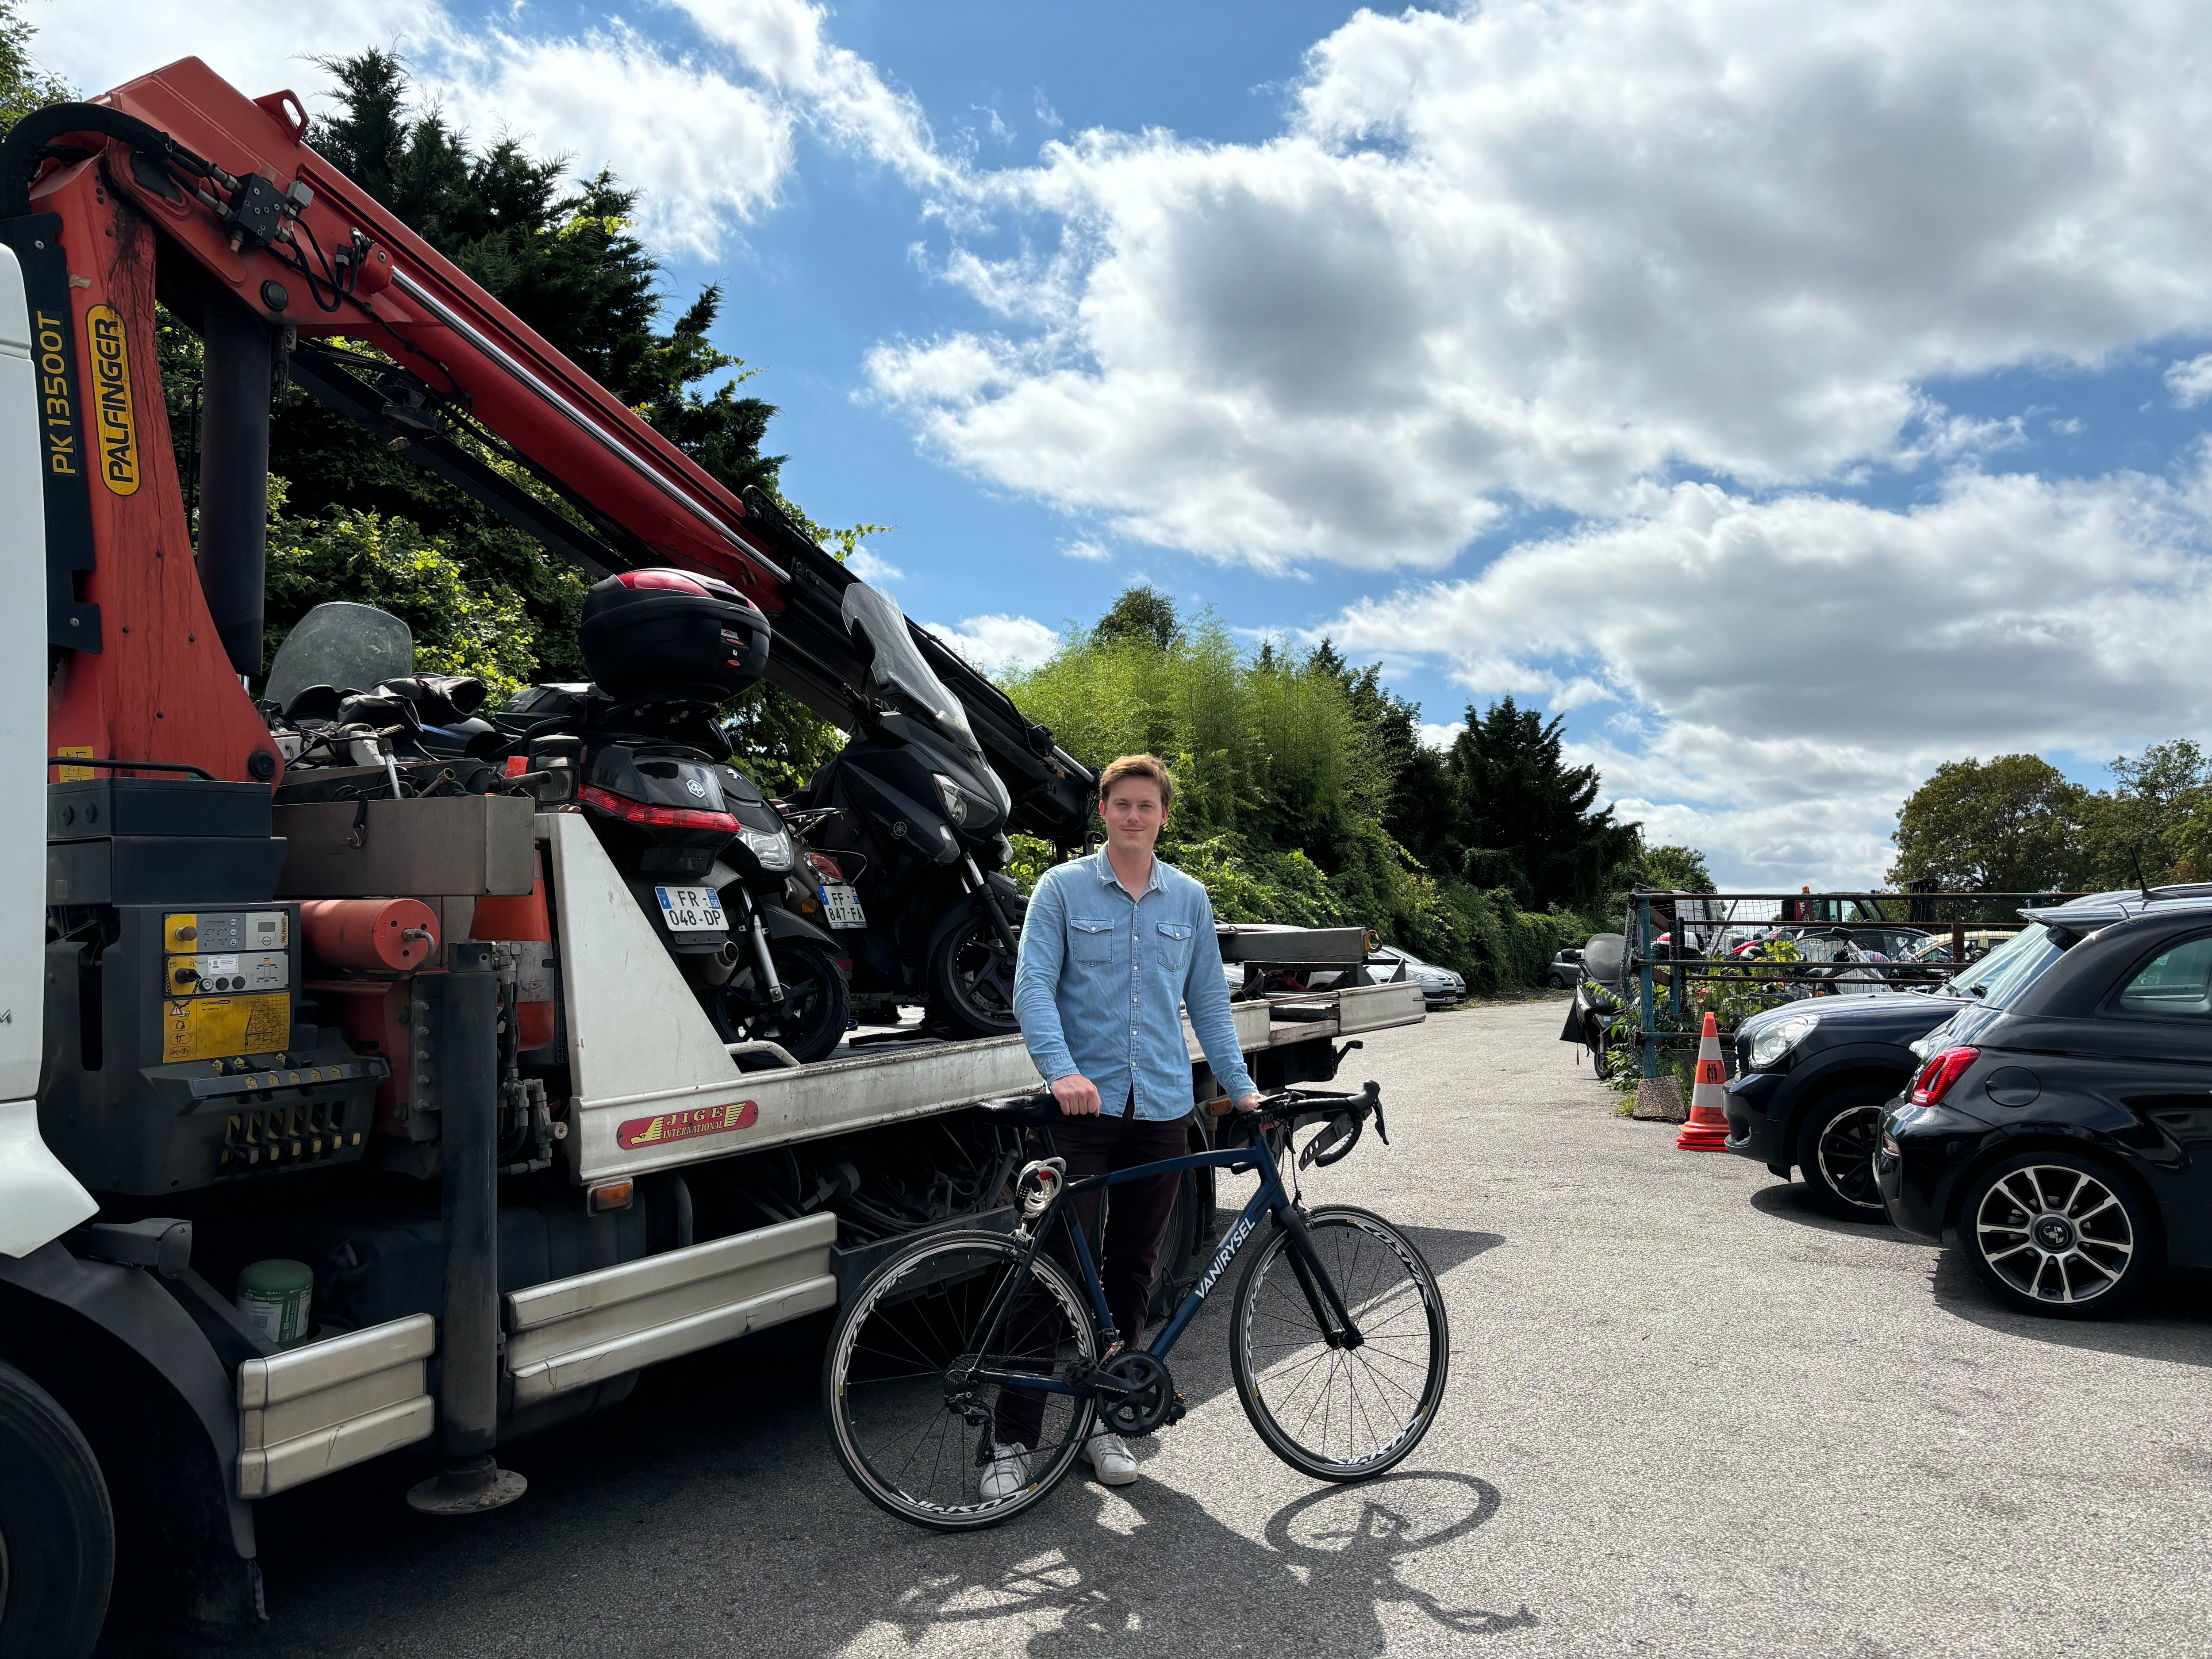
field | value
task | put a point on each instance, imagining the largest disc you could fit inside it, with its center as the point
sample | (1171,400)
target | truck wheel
(1835,1151)
(56,1531)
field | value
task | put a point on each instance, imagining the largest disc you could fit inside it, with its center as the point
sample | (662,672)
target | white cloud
(1089,551)
(1790,669)
(707,151)
(2190,382)
(1441,736)
(258,46)
(871,567)
(1552,250)
(782,42)
(999,644)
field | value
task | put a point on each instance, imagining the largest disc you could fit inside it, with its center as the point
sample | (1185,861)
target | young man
(1114,947)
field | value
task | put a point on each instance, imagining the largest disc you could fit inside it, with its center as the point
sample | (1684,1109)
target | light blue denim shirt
(1104,980)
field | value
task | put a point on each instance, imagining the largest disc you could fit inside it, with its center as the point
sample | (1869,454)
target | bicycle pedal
(1176,1407)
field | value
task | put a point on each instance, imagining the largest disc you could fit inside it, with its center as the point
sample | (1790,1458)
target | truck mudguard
(194,1517)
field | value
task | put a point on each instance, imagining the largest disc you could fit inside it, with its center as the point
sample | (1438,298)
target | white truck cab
(40,1200)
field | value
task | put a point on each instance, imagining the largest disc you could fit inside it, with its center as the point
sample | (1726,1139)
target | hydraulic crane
(177,186)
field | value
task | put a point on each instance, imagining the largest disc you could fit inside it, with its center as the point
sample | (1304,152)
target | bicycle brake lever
(1375,1099)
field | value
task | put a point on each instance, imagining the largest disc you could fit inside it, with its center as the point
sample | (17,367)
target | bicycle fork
(1322,1295)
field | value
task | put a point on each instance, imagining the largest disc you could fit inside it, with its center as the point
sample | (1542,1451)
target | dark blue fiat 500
(2067,1137)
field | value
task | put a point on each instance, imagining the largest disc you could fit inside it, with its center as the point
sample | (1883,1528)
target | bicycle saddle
(1032,1111)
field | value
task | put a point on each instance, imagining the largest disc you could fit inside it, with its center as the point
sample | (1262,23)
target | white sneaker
(1110,1458)
(1007,1473)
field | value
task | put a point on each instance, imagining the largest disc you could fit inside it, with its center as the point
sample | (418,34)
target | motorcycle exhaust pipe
(717,969)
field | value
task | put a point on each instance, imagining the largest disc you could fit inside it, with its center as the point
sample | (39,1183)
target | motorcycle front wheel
(971,983)
(817,1003)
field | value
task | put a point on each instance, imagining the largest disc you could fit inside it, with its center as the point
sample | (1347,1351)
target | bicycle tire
(893,1310)
(1278,1367)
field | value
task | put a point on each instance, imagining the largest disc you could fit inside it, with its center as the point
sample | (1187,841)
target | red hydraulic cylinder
(393,935)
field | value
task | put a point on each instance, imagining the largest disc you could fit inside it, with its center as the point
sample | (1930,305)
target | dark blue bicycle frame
(1321,1291)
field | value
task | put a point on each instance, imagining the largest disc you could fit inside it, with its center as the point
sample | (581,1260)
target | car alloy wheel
(2056,1234)
(1844,1153)
(1835,1151)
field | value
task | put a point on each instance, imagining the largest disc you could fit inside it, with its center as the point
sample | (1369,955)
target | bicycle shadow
(1177,1580)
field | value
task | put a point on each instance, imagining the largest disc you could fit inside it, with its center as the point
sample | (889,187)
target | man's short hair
(1139,766)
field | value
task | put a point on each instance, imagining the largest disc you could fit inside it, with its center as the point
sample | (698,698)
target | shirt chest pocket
(1174,943)
(1092,941)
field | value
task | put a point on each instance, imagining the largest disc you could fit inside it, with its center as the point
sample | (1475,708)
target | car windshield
(2010,968)
(898,666)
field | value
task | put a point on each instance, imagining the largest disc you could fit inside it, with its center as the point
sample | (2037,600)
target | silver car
(1440,986)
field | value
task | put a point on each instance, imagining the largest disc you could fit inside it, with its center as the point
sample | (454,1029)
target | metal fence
(1678,940)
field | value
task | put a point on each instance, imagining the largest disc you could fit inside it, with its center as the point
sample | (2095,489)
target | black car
(1814,1077)
(2068,1137)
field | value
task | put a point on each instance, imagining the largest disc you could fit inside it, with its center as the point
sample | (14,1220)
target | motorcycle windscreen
(353,647)
(899,669)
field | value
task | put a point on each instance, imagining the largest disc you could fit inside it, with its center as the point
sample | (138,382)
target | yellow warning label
(216,1028)
(115,423)
(74,774)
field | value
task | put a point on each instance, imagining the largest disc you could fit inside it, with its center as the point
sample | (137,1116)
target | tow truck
(233,1038)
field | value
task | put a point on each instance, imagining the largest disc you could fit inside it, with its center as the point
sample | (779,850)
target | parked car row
(2048,1107)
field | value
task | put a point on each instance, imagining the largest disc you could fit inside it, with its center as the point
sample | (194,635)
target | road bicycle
(973,1340)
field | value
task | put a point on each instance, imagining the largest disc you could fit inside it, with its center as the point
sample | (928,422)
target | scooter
(912,820)
(708,857)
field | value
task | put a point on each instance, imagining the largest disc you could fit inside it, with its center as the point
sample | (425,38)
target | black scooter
(708,857)
(914,813)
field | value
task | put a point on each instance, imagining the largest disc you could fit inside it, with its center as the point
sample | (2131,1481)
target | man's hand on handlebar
(1248,1102)
(1076,1094)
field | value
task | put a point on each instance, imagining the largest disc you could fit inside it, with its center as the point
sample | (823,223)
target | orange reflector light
(614,1195)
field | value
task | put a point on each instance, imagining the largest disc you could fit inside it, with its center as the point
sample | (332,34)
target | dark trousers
(1138,1213)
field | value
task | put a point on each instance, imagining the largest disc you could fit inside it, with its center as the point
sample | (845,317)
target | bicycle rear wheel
(1338,1412)
(912,1430)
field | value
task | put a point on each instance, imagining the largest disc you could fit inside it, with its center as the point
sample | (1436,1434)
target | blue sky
(1793,400)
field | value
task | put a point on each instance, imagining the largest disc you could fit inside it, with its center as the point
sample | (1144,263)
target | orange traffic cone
(1707,1131)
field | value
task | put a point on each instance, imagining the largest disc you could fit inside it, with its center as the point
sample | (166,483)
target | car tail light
(657,818)
(1937,1076)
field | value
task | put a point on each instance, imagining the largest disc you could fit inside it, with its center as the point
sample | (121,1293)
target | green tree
(1140,614)
(2146,826)
(1294,767)
(1527,820)
(2011,825)
(23,85)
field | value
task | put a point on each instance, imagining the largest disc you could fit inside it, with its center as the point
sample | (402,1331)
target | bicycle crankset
(1136,1394)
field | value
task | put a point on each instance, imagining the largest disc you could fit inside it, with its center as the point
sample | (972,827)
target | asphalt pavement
(1687,1415)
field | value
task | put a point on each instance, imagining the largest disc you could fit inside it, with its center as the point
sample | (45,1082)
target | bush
(1282,787)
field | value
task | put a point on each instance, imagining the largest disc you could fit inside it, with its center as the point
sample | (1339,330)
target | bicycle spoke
(907,1431)
(1332,1410)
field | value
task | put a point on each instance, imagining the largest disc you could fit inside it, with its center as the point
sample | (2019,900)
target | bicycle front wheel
(914,1426)
(1339,1413)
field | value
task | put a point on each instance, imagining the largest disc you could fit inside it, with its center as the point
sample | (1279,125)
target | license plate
(690,910)
(840,907)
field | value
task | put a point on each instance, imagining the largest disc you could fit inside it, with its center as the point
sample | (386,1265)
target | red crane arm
(416,306)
